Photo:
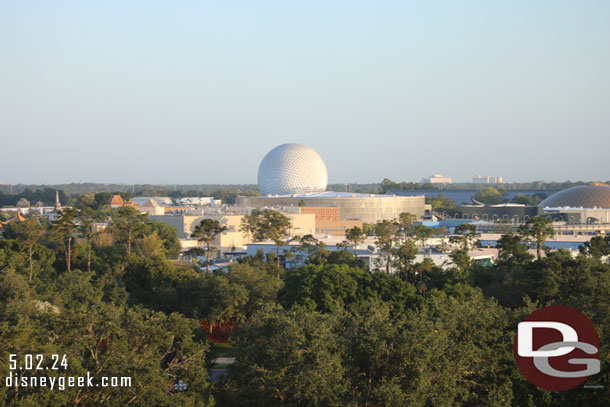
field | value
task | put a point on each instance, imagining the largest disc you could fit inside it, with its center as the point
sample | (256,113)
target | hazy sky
(199,91)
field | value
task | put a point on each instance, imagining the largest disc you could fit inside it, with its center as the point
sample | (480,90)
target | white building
(197,200)
(480,179)
(436,179)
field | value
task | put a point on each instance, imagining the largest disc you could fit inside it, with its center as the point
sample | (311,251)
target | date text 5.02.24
(37,362)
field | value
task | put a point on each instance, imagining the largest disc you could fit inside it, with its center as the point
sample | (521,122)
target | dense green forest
(326,334)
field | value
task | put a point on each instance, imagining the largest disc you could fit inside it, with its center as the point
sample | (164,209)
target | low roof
(151,203)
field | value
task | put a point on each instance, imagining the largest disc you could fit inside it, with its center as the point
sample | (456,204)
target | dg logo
(556,348)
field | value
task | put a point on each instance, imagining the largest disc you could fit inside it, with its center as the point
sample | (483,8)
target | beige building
(151,207)
(328,220)
(233,237)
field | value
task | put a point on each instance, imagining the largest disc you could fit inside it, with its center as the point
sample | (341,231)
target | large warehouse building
(370,208)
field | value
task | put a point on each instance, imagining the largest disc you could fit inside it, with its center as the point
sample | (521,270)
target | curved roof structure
(585,196)
(292,169)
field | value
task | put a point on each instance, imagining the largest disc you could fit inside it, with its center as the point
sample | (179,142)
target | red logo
(556,348)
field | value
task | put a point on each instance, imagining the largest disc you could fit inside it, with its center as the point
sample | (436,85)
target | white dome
(292,169)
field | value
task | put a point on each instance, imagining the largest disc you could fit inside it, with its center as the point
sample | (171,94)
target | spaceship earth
(292,169)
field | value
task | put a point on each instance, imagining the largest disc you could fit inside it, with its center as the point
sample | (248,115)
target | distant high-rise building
(436,179)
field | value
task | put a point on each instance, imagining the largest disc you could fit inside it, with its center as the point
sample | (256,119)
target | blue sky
(198,91)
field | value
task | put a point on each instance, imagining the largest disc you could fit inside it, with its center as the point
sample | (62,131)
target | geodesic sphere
(292,169)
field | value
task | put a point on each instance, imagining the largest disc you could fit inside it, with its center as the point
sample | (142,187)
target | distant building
(588,204)
(328,220)
(151,207)
(161,200)
(366,250)
(116,202)
(197,201)
(369,208)
(568,242)
(506,212)
(233,237)
(480,179)
(436,179)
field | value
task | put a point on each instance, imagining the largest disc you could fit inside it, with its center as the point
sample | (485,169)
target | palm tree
(355,236)
(29,232)
(63,229)
(537,229)
(127,223)
(206,232)
(386,232)
(87,218)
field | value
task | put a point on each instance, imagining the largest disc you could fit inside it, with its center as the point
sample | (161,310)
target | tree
(304,251)
(465,235)
(597,247)
(489,196)
(406,221)
(511,249)
(286,358)
(318,254)
(86,200)
(355,236)
(63,230)
(441,204)
(262,287)
(29,232)
(23,203)
(127,223)
(429,356)
(169,236)
(150,245)
(267,224)
(531,200)
(386,234)
(405,252)
(153,349)
(461,259)
(537,229)
(222,300)
(388,185)
(206,231)
(421,234)
(87,218)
